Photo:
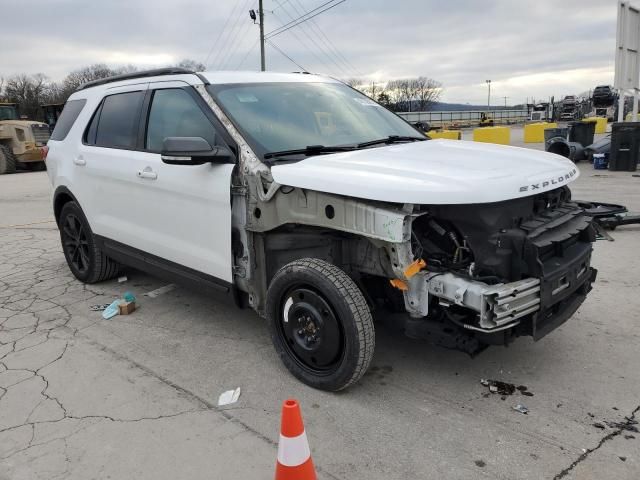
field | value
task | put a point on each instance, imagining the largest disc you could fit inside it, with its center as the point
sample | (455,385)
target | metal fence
(465,117)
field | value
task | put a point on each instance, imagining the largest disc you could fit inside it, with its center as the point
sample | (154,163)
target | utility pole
(505,101)
(489,94)
(261,15)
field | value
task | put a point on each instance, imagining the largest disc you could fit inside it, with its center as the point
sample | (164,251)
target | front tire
(86,260)
(320,323)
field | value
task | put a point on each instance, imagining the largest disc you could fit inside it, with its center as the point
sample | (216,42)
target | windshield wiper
(391,139)
(309,151)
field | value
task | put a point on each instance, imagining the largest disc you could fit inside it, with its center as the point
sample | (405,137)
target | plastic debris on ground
(98,308)
(160,291)
(521,408)
(112,310)
(229,397)
(121,306)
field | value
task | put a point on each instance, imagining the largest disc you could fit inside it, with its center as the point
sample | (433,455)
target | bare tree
(410,94)
(372,90)
(29,91)
(84,75)
(192,65)
(427,92)
(354,82)
(398,92)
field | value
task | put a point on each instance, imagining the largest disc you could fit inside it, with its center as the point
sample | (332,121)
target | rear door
(104,161)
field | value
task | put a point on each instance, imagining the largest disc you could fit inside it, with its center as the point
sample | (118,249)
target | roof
(213,77)
(224,77)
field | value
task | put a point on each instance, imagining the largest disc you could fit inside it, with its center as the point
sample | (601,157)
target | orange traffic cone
(294,456)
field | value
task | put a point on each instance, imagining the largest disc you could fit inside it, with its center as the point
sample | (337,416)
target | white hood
(431,172)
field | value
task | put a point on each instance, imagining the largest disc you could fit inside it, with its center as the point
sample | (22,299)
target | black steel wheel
(86,260)
(310,330)
(320,324)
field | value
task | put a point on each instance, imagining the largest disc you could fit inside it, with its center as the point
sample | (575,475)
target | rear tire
(7,160)
(320,324)
(86,260)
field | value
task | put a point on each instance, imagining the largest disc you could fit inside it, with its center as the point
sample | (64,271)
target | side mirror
(192,151)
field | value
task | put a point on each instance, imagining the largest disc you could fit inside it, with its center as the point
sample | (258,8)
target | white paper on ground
(159,291)
(122,279)
(229,397)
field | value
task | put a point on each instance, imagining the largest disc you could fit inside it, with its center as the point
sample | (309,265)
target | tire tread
(10,160)
(356,303)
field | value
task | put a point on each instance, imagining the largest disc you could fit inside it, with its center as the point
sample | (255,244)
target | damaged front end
(492,272)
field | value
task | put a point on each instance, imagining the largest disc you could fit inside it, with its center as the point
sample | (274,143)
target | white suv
(299,197)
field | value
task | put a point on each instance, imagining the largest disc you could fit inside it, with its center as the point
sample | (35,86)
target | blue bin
(600,161)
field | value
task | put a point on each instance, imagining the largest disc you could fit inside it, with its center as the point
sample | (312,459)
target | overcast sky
(528,48)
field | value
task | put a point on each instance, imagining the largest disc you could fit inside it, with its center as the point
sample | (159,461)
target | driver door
(183,211)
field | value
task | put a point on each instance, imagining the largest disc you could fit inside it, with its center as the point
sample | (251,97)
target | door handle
(147,173)
(80,161)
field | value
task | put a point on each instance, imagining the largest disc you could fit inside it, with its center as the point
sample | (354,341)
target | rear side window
(174,113)
(67,118)
(115,123)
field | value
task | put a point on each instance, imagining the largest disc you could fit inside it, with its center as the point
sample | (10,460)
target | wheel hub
(311,330)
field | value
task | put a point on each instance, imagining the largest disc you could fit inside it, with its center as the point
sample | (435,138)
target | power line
(221,32)
(242,35)
(291,59)
(247,54)
(327,41)
(295,20)
(300,20)
(280,6)
(311,50)
(233,35)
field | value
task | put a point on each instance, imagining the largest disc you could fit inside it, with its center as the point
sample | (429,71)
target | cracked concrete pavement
(134,397)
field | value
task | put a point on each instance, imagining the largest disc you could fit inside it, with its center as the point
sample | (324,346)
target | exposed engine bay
(500,270)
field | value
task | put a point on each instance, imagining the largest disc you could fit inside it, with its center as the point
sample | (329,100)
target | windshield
(8,112)
(276,117)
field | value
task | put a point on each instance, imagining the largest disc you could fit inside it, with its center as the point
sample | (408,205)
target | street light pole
(489,94)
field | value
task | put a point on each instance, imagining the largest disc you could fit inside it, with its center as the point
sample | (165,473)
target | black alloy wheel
(75,243)
(85,258)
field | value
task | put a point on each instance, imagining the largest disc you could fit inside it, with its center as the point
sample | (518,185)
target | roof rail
(129,76)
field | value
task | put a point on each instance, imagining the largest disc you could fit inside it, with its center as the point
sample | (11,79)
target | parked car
(299,197)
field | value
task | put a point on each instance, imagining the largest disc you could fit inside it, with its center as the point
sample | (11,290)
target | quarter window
(174,113)
(67,118)
(115,124)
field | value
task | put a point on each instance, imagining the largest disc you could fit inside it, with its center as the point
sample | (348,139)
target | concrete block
(534,132)
(500,135)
